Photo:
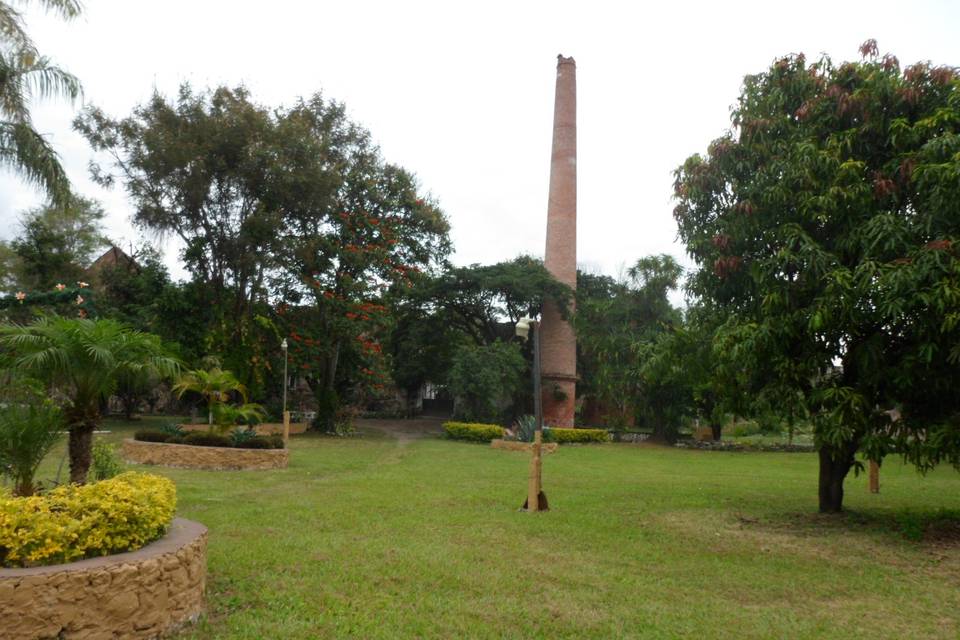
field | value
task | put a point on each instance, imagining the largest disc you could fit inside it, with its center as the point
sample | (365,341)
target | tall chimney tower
(559,344)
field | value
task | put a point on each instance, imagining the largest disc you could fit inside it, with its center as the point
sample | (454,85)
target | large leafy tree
(354,228)
(198,168)
(25,76)
(56,243)
(82,360)
(824,225)
(482,300)
(617,322)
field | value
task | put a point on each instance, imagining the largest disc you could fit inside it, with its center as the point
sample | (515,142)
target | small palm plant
(30,426)
(215,385)
(82,359)
(228,416)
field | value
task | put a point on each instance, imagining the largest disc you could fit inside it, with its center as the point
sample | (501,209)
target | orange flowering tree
(351,238)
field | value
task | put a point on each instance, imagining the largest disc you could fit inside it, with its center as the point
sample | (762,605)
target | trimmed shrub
(151,435)
(256,442)
(472,432)
(204,439)
(570,436)
(73,522)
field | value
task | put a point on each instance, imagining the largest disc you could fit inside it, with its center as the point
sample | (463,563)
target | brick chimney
(558,342)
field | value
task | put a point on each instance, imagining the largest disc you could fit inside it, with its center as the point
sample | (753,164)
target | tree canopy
(824,225)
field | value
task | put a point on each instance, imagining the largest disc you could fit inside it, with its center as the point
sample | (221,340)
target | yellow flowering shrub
(81,521)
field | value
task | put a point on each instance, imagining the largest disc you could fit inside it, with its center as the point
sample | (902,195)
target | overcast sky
(463,95)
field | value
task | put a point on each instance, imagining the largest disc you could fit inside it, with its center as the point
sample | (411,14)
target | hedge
(207,439)
(73,522)
(473,432)
(565,436)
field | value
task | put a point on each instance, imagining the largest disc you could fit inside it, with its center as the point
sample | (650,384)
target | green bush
(259,442)
(204,439)
(106,462)
(569,436)
(151,435)
(472,432)
(485,378)
(241,435)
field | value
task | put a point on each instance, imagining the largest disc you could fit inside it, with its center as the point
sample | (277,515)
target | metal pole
(286,414)
(285,358)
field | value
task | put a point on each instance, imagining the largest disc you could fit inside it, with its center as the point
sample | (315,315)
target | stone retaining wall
(140,594)
(196,457)
(265,429)
(513,445)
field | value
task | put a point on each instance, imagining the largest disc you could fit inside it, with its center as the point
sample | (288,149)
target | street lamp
(286,414)
(536,498)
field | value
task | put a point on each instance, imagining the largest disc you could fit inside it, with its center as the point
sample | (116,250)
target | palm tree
(215,385)
(82,359)
(24,76)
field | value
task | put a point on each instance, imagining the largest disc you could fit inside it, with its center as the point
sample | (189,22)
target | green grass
(383,538)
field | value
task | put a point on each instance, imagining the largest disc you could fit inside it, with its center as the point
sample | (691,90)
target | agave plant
(525,427)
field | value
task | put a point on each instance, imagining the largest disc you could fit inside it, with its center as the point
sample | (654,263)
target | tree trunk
(24,487)
(80,447)
(833,469)
(716,430)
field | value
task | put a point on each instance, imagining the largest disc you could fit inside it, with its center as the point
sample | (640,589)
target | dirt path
(405,431)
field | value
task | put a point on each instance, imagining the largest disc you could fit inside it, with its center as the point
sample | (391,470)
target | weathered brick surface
(141,594)
(195,457)
(558,342)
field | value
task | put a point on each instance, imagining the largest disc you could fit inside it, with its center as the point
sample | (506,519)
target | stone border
(264,429)
(188,456)
(513,445)
(139,594)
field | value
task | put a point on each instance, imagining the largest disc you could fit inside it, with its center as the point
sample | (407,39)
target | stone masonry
(141,594)
(197,457)
(558,342)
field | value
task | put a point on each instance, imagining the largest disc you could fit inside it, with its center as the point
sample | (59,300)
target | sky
(462,94)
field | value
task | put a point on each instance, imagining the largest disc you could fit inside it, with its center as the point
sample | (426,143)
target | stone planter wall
(140,594)
(513,445)
(195,457)
(265,429)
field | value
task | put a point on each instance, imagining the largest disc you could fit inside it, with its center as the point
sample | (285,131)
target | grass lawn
(386,537)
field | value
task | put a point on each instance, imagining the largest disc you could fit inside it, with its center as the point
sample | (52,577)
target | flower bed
(776,447)
(262,429)
(140,594)
(73,522)
(190,456)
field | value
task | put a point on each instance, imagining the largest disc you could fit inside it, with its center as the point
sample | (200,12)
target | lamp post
(286,414)
(536,498)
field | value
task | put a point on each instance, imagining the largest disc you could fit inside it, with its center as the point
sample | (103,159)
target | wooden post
(286,429)
(534,482)
(874,477)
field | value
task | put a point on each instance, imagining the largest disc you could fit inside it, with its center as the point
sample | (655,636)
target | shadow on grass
(926,527)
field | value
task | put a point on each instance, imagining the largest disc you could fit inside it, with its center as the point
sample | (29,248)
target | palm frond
(28,153)
(11,28)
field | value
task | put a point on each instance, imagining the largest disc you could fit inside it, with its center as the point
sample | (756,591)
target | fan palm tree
(82,360)
(25,75)
(215,385)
